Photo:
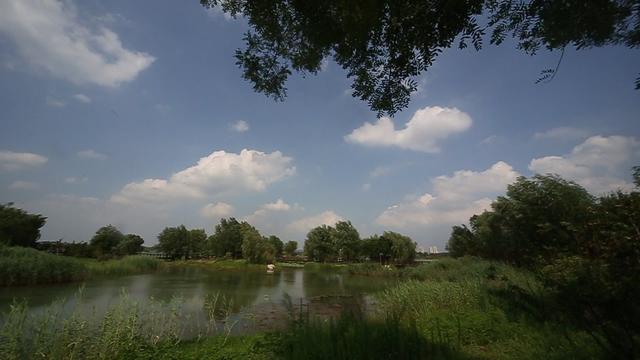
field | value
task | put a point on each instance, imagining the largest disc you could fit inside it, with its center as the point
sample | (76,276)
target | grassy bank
(153,330)
(486,309)
(26,266)
(449,309)
(224,265)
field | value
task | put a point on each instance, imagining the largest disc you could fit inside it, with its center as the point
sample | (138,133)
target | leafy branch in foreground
(385,45)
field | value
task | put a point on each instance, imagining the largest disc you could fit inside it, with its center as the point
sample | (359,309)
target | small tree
(403,249)
(174,241)
(255,247)
(290,248)
(18,227)
(320,244)
(277,245)
(347,240)
(130,244)
(106,241)
(226,239)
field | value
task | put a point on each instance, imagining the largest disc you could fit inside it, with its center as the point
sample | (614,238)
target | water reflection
(254,299)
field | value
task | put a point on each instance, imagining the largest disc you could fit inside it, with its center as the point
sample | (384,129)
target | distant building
(432,250)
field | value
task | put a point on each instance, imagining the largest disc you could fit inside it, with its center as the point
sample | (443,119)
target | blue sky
(107,109)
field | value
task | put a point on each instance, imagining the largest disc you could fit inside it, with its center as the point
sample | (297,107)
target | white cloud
(599,164)
(240,126)
(221,172)
(380,171)
(366,187)
(91,154)
(423,132)
(52,102)
(82,98)
(302,226)
(75,180)
(272,217)
(11,161)
(489,140)
(561,133)
(453,199)
(49,35)
(279,205)
(217,210)
(24,185)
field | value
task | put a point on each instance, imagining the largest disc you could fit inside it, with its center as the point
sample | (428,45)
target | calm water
(259,295)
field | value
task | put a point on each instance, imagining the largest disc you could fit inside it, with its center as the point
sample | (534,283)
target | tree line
(231,239)
(342,242)
(585,249)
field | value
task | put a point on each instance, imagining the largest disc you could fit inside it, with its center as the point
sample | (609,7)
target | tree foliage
(347,240)
(385,45)
(539,218)
(179,242)
(320,244)
(106,241)
(277,245)
(290,248)
(327,243)
(130,244)
(18,227)
(586,251)
(226,239)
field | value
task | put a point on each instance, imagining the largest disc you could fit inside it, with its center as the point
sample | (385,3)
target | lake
(250,300)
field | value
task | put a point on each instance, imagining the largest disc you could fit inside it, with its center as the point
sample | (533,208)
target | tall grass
(484,308)
(125,266)
(353,336)
(128,329)
(26,266)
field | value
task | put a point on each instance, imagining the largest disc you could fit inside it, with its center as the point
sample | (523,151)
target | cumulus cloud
(82,98)
(600,163)
(279,205)
(221,172)
(217,210)
(453,199)
(240,126)
(272,218)
(561,133)
(91,154)
(11,161)
(49,35)
(302,226)
(427,127)
(24,185)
